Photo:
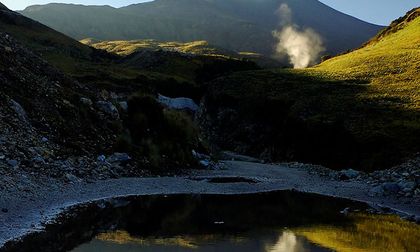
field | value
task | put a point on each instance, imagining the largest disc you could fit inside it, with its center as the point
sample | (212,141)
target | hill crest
(397,25)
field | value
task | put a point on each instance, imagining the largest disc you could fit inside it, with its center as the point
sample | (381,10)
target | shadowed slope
(360,109)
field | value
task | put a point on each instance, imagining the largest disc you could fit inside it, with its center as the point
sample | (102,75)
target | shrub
(164,137)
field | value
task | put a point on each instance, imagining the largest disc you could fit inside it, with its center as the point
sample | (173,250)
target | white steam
(303,47)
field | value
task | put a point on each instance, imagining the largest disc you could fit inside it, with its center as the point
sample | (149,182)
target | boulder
(205,163)
(118,158)
(123,105)
(101,158)
(391,187)
(86,101)
(71,178)
(19,111)
(108,108)
(199,156)
(348,174)
(407,186)
(180,103)
(376,191)
(13,163)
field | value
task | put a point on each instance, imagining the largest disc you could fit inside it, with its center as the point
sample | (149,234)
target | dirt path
(24,211)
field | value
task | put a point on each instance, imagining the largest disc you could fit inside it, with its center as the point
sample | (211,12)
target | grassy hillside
(197,48)
(122,47)
(47,42)
(390,62)
(357,110)
(233,24)
(70,56)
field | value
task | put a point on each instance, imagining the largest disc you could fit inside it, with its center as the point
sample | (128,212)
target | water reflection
(289,242)
(261,241)
(366,233)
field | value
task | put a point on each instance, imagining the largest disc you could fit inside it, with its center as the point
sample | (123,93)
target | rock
(348,174)
(86,101)
(345,211)
(71,178)
(228,155)
(407,186)
(408,194)
(5,210)
(101,158)
(118,158)
(181,103)
(108,108)
(199,156)
(205,163)
(38,160)
(19,111)
(376,191)
(13,163)
(123,105)
(44,139)
(391,187)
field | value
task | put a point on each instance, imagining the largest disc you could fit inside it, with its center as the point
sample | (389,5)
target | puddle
(266,222)
(226,180)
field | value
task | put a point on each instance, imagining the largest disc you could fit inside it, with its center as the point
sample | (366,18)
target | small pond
(267,222)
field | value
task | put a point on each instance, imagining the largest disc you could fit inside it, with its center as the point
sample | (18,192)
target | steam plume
(302,47)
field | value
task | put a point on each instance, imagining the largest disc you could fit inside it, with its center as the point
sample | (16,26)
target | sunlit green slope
(391,62)
(126,47)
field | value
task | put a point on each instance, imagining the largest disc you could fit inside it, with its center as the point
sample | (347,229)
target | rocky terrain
(48,127)
(402,181)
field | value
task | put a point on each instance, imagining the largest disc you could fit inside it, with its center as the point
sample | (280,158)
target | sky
(374,11)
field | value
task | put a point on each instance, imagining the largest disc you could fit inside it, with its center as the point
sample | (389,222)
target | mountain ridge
(234,25)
